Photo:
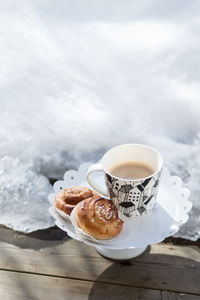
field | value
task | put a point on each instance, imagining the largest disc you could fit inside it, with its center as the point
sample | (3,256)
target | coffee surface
(131,170)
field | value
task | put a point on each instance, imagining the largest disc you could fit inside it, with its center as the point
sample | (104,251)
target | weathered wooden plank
(20,286)
(36,240)
(177,296)
(160,268)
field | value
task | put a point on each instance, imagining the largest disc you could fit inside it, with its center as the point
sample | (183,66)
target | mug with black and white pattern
(132,197)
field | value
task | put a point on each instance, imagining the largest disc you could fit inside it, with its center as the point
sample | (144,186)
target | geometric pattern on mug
(133,197)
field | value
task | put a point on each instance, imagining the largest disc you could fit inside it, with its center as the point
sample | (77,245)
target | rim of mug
(132,144)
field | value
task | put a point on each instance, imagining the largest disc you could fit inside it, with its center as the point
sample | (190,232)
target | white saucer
(169,213)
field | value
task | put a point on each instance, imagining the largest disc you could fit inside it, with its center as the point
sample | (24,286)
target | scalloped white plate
(169,213)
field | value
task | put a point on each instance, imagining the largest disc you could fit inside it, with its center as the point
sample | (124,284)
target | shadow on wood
(35,240)
(154,272)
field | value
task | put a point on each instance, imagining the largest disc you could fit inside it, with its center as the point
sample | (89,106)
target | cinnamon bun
(98,217)
(67,199)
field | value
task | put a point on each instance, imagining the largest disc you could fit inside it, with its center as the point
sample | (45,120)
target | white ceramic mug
(132,197)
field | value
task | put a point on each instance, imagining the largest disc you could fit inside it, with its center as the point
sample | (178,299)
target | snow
(77,78)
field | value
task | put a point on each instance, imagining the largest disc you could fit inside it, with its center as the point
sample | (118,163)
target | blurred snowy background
(77,77)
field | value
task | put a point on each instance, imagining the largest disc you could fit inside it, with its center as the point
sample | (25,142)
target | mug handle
(97,187)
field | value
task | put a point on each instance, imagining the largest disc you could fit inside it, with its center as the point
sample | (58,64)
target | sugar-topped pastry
(98,217)
(67,199)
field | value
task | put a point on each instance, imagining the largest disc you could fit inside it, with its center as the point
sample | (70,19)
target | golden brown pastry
(69,197)
(98,217)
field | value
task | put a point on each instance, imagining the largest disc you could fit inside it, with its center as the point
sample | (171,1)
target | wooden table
(48,265)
